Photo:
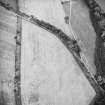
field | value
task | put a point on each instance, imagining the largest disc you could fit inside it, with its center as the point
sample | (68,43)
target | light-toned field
(49,73)
(7,56)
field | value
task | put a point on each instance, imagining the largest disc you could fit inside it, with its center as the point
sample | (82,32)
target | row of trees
(97,16)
